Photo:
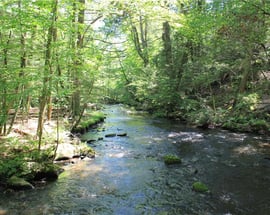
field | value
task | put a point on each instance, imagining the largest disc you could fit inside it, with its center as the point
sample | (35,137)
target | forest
(202,62)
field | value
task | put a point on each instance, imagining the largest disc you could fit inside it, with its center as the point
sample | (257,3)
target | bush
(12,166)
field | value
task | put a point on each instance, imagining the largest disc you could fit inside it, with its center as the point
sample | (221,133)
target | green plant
(12,166)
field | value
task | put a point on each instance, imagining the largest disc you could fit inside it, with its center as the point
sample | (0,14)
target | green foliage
(210,52)
(259,125)
(247,102)
(17,159)
(12,166)
(245,116)
(188,105)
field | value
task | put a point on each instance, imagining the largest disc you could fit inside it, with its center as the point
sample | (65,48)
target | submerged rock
(200,187)
(171,159)
(17,183)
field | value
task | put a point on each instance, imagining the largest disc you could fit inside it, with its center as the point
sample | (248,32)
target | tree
(46,91)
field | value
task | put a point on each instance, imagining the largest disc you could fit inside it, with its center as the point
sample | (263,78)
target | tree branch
(258,7)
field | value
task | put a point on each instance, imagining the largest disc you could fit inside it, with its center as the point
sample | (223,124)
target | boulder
(65,151)
(122,134)
(48,172)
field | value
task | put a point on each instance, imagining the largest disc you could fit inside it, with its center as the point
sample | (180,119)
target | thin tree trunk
(4,108)
(21,74)
(46,88)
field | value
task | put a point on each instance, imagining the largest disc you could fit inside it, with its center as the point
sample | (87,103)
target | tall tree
(78,58)
(47,73)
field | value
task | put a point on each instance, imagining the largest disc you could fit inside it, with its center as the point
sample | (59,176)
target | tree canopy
(203,61)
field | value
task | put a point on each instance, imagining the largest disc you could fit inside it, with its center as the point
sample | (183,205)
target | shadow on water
(128,176)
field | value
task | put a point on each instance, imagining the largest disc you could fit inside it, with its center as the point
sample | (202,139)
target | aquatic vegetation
(199,187)
(171,159)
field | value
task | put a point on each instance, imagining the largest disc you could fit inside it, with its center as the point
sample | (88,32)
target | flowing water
(128,175)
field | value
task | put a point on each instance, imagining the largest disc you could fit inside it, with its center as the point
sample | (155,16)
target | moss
(171,159)
(199,187)
(87,151)
(89,120)
(19,183)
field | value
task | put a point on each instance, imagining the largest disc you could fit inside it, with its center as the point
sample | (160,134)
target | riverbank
(24,166)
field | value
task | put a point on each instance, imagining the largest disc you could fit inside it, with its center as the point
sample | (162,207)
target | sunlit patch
(248,149)
(83,193)
(77,170)
(157,139)
(232,136)
(237,137)
(117,155)
(3,212)
(264,145)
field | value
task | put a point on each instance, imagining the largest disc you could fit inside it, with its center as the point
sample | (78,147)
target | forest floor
(23,138)
(21,157)
(28,129)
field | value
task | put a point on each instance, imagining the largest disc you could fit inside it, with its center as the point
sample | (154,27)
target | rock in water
(171,159)
(200,187)
(19,183)
(122,134)
(110,135)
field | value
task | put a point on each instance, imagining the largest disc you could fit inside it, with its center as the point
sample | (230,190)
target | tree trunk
(166,37)
(76,97)
(4,103)
(246,71)
(46,88)
(141,42)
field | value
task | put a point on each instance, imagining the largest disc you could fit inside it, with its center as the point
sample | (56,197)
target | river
(129,177)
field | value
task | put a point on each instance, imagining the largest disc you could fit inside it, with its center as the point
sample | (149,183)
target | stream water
(128,175)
